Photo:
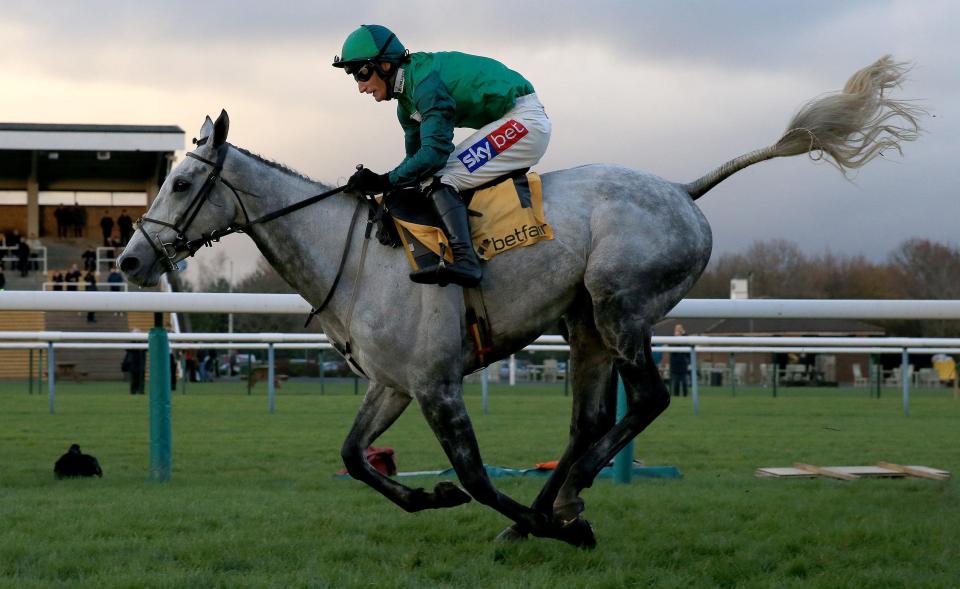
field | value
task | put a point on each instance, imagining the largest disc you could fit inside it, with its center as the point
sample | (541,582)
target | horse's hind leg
(380,408)
(594,404)
(647,397)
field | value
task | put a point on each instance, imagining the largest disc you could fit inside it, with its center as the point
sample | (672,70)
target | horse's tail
(848,128)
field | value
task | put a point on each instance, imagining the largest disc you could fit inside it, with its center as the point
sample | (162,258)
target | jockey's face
(376,85)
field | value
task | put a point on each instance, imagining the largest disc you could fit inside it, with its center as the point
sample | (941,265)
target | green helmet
(370,43)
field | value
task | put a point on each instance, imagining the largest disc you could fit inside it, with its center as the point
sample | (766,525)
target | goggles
(361,72)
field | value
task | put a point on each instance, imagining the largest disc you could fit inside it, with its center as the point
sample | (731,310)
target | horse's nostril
(129,263)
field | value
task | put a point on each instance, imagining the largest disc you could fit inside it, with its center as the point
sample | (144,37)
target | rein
(167,251)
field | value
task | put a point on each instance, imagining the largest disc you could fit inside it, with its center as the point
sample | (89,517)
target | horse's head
(191,207)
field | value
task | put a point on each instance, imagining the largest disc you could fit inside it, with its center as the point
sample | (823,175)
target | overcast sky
(675,88)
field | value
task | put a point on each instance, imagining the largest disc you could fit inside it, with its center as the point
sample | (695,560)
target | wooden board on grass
(850,473)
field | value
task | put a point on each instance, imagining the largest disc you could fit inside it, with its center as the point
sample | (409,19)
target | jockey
(436,92)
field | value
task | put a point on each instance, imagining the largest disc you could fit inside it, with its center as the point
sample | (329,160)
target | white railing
(693,308)
(38,255)
(181,302)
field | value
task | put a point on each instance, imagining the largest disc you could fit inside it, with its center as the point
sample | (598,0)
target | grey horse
(628,246)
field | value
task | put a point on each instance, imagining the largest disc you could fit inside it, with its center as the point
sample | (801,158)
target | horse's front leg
(442,405)
(380,408)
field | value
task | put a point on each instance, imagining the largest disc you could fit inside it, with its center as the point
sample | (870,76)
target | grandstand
(58,184)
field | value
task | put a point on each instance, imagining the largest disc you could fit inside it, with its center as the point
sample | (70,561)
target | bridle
(168,251)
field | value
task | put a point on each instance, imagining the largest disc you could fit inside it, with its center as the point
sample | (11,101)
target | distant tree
(266,280)
(925,269)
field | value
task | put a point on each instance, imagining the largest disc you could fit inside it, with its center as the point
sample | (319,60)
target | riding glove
(368,182)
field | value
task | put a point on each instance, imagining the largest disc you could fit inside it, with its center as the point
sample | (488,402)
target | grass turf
(253,502)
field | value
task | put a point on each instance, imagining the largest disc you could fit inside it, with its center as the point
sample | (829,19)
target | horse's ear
(220,129)
(206,131)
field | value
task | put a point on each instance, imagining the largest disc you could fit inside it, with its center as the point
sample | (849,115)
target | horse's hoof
(511,534)
(578,533)
(447,494)
(568,513)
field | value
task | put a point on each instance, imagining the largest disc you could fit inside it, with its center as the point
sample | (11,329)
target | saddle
(504,214)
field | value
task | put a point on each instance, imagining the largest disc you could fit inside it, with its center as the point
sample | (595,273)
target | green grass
(253,502)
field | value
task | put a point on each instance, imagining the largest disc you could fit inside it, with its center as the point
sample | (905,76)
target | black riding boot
(465,269)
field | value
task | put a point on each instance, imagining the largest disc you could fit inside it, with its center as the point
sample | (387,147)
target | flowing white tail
(848,128)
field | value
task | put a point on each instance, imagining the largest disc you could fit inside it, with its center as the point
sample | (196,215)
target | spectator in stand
(89,258)
(57,280)
(13,238)
(77,220)
(60,214)
(23,257)
(35,246)
(116,280)
(125,225)
(91,279)
(106,227)
(73,276)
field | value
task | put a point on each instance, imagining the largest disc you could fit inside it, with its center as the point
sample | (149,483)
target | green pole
(623,461)
(160,430)
(30,371)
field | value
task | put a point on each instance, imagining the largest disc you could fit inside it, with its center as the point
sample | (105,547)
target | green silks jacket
(436,92)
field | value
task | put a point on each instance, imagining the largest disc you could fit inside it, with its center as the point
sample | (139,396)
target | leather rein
(167,251)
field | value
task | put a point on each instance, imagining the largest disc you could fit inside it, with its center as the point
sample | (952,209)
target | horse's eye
(181,186)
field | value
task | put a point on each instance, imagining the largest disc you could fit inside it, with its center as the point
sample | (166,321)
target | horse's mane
(275,165)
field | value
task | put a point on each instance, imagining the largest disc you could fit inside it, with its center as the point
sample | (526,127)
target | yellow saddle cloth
(502,217)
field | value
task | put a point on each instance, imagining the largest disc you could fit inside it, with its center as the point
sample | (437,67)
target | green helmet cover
(370,42)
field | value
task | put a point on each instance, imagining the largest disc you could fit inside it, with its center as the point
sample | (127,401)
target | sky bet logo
(497,142)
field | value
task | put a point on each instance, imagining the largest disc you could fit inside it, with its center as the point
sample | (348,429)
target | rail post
(51,377)
(30,372)
(623,461)
(271,392)
(160,430)
(905,381)
(322,371)
(694,387)
(732,363)
(249,373)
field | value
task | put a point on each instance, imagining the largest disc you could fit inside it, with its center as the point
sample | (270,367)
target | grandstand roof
(83,137)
